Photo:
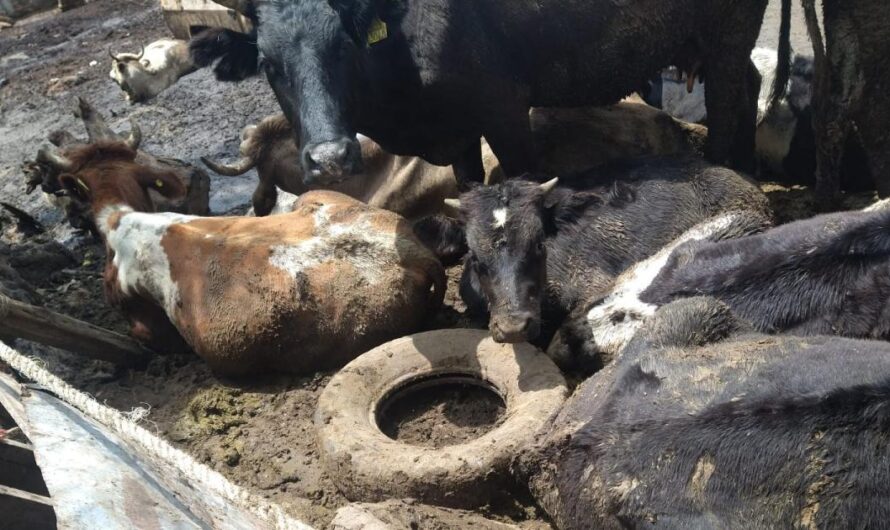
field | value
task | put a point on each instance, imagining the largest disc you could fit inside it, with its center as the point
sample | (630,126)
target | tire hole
(440,411)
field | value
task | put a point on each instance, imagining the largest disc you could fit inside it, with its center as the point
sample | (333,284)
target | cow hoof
(366,465)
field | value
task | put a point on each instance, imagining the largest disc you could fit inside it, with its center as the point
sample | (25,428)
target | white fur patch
(500,217)
(881,205)
(284,203)
(357,242)
(618,317)
(139,258)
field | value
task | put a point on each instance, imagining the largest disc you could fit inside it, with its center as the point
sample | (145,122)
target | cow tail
(783,64)
(809,12)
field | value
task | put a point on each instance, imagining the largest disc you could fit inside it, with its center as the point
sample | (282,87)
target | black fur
(753,432)
(825,275)
(444,236)
(591,230)
(450,72)
(237,53)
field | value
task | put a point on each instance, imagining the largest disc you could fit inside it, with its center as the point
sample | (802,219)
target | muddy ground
(259,433)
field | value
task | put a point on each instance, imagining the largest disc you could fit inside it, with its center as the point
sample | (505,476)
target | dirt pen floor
(259,433)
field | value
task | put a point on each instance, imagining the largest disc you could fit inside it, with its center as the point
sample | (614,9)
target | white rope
(122,426)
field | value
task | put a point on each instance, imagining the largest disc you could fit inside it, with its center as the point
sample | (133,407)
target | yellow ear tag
(377,31)
(159,183)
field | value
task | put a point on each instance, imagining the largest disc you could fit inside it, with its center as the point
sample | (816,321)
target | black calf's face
(310,62)
(505,234)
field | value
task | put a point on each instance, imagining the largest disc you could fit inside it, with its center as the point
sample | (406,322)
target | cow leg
(468,167)
(512,143)
(837,96)
(730,142)
(742,155)
(877,145)
(264,198)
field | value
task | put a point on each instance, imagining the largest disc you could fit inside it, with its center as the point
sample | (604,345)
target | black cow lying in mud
(825,275)
(753,432)
(429,77)
(537,250)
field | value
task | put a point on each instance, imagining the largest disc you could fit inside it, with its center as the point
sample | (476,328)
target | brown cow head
(106,173)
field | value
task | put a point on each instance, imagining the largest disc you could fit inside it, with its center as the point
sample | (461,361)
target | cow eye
(540,248)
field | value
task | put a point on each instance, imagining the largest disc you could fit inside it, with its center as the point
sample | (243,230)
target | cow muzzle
(327,163)
(514,327)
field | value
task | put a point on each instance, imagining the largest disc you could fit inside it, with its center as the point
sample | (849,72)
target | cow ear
(75,187)
(563,206)
(357,17)
(165,183)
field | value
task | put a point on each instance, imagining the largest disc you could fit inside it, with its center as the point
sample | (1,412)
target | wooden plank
(25,496)
(41,325)
(16,513)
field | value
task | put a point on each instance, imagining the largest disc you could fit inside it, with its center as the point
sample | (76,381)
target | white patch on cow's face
(357,242)
(142,264)
(500,217)
(615,320)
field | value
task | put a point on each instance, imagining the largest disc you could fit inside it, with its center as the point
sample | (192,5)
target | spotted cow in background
(144,75)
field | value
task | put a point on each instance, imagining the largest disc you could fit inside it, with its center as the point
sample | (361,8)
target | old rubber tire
(366,465)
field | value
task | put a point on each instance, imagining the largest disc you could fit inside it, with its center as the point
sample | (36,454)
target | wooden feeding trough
(187,17)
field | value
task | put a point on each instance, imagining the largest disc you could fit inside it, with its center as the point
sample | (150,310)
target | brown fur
(566,141)
(350,289)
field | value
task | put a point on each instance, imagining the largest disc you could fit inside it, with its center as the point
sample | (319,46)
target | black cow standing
(429,77)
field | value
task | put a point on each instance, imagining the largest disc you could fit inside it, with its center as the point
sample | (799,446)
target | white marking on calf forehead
(358,242)
(142,265)
(500,217)
(615,320)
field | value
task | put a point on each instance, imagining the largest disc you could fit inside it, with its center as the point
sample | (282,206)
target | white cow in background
(156,67)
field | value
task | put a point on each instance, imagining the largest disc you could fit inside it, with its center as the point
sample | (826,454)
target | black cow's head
(311,52)
(506,231)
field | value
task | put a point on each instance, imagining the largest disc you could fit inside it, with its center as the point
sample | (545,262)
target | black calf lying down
(825,275)
(538,246)
(753,432)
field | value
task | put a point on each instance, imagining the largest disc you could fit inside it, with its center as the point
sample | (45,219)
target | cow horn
(141,52)
(238,168)
(454,203)
(135,138)
(112,55)
(48,156)
(548,186)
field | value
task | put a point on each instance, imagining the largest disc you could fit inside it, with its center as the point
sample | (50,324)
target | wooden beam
(25,496)
(39,324)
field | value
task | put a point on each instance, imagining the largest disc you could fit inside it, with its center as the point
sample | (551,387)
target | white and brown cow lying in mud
(566,140)
(825,275)
(296,292)
(537,251)
(702,424)
(156,67)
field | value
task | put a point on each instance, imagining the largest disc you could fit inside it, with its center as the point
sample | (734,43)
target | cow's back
(752,432)
(301,291)
(650,202)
